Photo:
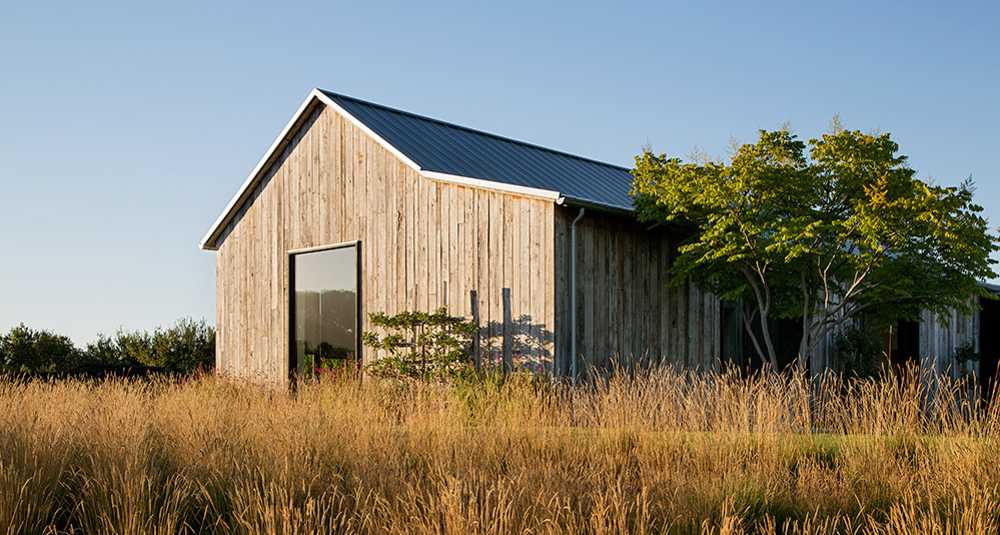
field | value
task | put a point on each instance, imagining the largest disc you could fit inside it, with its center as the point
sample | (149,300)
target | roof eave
(598,206)
(548,195)
(210,242)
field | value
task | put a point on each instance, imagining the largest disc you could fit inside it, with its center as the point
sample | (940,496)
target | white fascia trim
(316,94)
(434,175)
(364,128)
(491,185)
(252,178)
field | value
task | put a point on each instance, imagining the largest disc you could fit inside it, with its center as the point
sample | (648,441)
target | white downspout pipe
(572,293)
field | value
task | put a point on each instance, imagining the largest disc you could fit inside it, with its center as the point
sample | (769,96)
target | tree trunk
(766,353)
(805,342)
(748,326)
(805,347)
(765,332)
(763,299)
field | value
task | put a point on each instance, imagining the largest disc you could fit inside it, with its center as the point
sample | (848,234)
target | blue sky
(124,129)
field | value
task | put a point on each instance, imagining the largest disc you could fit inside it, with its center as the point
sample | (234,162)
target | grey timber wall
(424,243)
(625,308)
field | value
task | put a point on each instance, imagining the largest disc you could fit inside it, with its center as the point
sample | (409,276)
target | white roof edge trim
(364,128)
(252,178)
(316,94)
(548,195)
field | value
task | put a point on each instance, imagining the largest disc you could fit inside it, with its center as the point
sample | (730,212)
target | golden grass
(658,451)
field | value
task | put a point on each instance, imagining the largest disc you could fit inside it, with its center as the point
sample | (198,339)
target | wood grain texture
(625,308)
(426,244)
(334,184)
(941,335)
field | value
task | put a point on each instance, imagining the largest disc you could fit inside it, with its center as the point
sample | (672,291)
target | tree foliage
(185,346)
(26,350)
(859,351)
(821,231)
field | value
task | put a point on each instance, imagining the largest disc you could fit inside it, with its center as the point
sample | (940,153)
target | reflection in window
(325,306)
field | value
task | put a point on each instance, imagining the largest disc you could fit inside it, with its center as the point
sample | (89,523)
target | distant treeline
(186,346)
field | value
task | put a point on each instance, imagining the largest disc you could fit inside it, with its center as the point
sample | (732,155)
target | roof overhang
(594,205)
(210,242)
(992,287)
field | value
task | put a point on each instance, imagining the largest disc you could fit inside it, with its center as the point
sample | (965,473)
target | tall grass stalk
(640,452)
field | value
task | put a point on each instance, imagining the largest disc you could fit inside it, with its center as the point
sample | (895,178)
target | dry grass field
(660,451)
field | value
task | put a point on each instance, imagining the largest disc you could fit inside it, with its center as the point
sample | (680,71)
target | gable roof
(456,150)
(452,153)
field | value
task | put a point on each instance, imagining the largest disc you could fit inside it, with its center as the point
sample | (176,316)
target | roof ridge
(473,130)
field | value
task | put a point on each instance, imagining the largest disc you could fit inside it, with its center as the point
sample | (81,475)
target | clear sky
(126,128)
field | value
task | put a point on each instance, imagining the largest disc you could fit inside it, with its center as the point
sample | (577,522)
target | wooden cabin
(359,208)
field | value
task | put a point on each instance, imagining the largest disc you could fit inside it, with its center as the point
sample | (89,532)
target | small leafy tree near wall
(967,359)
(420,345)
(859,351)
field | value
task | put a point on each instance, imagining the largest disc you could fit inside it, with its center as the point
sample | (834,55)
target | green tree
(822,232)
(184,346)
(187,345)
(26,350)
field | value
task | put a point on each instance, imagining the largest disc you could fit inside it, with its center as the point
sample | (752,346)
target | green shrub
(859,351)
(185,346)
(26,350)
(420,345)
(966,354)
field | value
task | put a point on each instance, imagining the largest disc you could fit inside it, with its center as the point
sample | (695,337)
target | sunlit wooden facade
(427,243)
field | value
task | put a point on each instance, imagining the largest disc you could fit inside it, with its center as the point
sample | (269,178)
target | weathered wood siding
(424,244)
(625,308)
(942,335)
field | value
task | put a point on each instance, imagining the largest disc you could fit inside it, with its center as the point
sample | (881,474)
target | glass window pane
(325,309)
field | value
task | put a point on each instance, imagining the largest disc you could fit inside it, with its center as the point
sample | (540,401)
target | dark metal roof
(456,150)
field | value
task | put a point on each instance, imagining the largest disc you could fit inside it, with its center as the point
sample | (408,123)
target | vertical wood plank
(664,299)
(548,263)
(496,266)
(508,363)
(586,294)
(561,323)
(483,288)
(598,260)
(476,340)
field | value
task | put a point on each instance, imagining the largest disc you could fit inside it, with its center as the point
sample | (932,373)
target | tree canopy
(822,231)
(186,346)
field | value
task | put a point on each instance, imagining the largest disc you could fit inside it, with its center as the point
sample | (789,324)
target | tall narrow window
(324,310)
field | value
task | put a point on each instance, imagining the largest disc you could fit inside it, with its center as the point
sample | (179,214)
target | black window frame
(290,262)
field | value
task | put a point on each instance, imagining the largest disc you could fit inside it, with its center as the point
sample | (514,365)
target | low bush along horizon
(641,452)
(185,346)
